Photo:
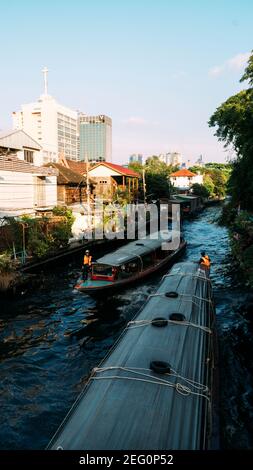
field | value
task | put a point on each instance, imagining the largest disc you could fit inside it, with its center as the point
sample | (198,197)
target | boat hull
(110,288)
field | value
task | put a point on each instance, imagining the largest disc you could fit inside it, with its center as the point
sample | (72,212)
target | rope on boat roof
(202,390)
(181,295)
(161,294)
(142,371)
(194,276)
(140,323)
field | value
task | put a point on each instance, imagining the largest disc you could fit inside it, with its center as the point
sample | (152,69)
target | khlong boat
(129,264)
(157,387)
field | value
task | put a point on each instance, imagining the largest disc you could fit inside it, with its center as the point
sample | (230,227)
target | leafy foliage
(40,236)
(200,190)
(156,177)
(65,212)
(215,177)
(233,121)
(6,264)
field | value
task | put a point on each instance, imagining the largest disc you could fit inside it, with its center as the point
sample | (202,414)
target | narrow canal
(43,369)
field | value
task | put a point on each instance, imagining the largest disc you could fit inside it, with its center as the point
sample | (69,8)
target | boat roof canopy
(127,403)
(135,249)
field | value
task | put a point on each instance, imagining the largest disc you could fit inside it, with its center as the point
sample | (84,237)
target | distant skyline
(158,68)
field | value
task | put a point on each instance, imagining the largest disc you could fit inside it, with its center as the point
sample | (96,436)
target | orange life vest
(87,260)
(205,261)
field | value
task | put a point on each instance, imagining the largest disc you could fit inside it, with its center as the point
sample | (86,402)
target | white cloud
(216,71)
(238,61)
(235,63)
(136,120)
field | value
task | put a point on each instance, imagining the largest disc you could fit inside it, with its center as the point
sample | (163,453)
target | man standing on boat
(205,261)
(87,260)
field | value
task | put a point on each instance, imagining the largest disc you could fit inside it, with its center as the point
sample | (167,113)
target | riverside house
(183,180)
(25,186)
(110,178)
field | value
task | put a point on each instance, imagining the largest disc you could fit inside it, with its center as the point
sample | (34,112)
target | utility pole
(88,191)
(144,185)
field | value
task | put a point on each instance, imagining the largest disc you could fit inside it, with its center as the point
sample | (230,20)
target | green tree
(219,181)
(233,121)
(208,184)
(135,166)
(156,177)
(200,190)
(197,169)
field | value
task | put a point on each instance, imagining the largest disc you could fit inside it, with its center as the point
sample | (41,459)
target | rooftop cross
(45,72)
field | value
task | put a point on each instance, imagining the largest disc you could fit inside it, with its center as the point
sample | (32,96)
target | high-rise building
(95,134)
(171,158)
(175,158)
(53,126)
(164,157)
(136,158)
(200,161)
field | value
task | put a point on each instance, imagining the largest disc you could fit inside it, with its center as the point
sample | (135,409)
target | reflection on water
(51,339)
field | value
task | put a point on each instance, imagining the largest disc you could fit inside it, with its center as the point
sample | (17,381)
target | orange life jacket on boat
(87,260)
(205,261)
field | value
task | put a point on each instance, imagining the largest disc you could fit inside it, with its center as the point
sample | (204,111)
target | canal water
(43,367)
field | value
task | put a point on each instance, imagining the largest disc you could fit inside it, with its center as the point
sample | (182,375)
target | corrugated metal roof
(118,168)
(18,139)
(15,164)
(67,176)
(78,167)
(122,409)
(133,250)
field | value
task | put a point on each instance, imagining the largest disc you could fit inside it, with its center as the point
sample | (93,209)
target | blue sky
(159,68)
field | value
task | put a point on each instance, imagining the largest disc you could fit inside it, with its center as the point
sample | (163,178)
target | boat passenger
(205,260)
(87,260)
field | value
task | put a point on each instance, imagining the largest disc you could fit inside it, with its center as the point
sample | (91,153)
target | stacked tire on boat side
(155,388)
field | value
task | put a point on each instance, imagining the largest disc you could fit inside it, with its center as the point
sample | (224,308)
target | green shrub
(61,234)
(6,264)
(65,212)
(38,247)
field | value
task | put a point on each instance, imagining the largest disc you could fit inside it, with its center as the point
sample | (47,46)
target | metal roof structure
(66,175)
(15,164)
(154,388)
(134,249)
(121,170)
(17,140)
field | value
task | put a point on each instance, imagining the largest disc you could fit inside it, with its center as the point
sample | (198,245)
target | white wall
(51,190)
(185,181)
(103,171)
(17,190)
(37,157)
(197,179)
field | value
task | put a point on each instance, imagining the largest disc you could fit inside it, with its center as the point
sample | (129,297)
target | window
(102,270)
(147,260)
(28,156)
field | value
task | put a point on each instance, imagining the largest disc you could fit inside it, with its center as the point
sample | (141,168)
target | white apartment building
(171,158)
(25,186)
(53,126)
